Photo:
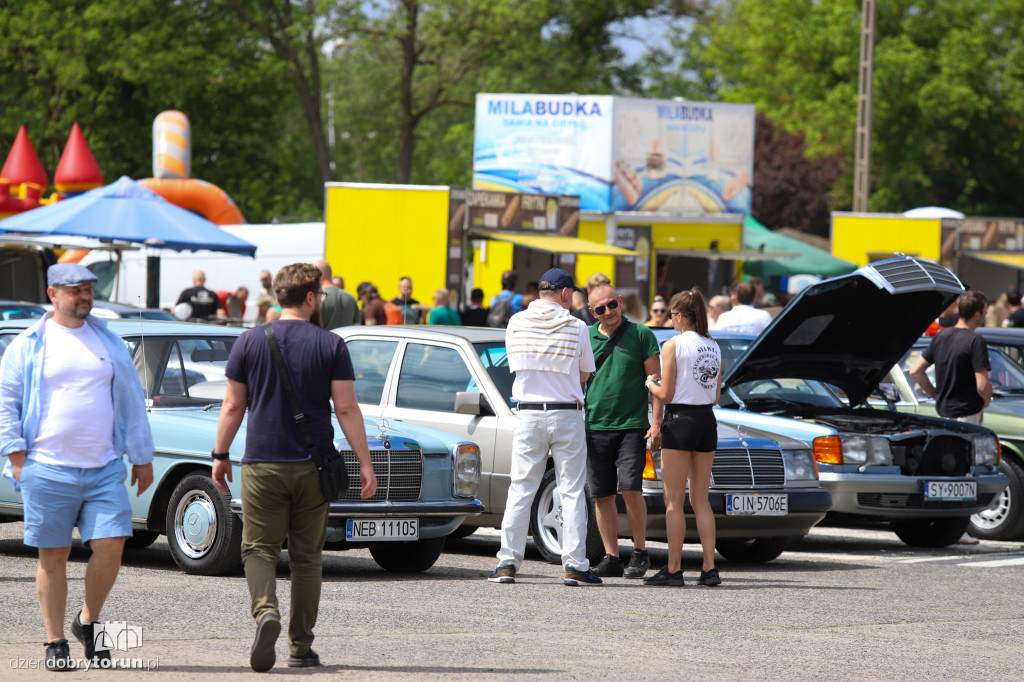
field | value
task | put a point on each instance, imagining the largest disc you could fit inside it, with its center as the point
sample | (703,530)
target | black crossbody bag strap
(608,348)
(293,401)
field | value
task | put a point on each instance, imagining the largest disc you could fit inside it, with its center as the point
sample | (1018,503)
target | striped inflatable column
(172,146)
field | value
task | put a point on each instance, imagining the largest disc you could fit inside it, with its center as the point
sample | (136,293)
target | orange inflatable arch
(204,198)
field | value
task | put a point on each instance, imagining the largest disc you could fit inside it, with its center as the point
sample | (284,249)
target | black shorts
(616,460)
(689,427)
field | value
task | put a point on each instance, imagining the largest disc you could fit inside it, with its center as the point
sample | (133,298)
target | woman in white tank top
(690,385)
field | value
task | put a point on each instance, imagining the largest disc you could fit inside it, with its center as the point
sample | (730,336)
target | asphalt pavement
(843,604)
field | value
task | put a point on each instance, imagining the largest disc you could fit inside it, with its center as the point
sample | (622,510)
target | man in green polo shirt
(618,427)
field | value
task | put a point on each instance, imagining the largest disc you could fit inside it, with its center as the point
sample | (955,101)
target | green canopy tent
(812,261)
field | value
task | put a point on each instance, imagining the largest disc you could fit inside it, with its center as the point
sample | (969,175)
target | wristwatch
(219,455)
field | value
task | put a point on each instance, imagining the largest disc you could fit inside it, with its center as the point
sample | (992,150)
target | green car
(1004,518)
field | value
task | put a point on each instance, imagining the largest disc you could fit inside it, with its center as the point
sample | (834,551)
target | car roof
(1008,336)
(129,327)
(433,332)
(121,307)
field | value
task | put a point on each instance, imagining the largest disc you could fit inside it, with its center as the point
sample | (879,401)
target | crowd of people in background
(746,308)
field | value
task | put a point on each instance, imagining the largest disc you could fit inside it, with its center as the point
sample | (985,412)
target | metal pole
(862,150)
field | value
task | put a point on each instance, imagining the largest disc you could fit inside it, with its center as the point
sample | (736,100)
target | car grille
(910,274)
(916,500)
(749,468)
(399,475)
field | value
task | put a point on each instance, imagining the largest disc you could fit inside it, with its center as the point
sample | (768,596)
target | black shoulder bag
(331,467)
(608,348)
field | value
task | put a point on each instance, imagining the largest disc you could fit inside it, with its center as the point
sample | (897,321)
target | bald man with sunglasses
(618,428)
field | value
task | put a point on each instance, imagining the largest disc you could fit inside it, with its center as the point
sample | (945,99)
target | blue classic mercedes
(427,479)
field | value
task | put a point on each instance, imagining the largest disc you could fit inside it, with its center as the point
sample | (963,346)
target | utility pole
(862,151)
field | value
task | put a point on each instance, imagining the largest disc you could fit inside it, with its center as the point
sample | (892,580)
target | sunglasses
(659,311)
(610,305)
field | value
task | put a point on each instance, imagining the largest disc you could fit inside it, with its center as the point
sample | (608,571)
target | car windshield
(1006,376)
(495,361)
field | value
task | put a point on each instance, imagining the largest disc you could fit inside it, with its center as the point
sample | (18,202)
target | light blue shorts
(58,498)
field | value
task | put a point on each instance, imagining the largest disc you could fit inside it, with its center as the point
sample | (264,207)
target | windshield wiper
(211,406)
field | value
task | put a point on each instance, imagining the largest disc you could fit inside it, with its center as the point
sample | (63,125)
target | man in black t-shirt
(204,301)
(960,357)
(281,494)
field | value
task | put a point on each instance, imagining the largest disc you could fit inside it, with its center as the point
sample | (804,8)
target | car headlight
(800,465)
(467,469)
(866,450)
(986,450)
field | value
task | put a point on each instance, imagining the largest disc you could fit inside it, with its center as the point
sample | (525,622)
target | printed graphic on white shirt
(706,367)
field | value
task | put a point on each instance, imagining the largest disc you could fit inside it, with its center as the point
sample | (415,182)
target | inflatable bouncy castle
(172,165)
(23,178)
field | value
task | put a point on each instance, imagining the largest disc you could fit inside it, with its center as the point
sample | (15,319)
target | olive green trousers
(283,500)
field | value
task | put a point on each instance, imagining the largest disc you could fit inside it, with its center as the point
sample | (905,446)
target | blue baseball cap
(69,275)
(558,279)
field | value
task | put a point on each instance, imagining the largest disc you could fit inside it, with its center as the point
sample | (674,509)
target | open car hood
(850,330)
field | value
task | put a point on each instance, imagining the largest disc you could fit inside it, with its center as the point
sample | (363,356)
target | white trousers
(562,433)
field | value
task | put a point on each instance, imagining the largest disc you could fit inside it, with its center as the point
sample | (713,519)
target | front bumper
(900,496)
(807,506)
(437,519)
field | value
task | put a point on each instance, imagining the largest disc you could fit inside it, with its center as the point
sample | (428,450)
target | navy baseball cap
(69,275)
(558,279)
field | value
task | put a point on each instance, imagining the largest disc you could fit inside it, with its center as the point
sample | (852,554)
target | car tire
(941,532)
(755,550)
(1004,518)
(141,539)
(407,557)
(546,523)
(204,536)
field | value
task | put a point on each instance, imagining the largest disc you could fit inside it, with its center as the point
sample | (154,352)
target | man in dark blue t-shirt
(962,388)
(281,494)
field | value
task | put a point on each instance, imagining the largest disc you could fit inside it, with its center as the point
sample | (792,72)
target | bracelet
(219,456)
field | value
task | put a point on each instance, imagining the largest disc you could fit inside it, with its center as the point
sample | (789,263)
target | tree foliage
(948,123)
(113,66)
(789,189)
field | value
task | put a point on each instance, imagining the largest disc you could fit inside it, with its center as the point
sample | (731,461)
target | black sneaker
(505,573)
(610,567)
(577,578)
(310,659)
(665,579)
(639,564)
(85,632)
(58,656)
(710,578)
(262,656)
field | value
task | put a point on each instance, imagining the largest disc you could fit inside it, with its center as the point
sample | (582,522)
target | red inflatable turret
(22,179)
(77,171)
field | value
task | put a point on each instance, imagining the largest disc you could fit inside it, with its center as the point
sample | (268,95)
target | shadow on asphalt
(414,669)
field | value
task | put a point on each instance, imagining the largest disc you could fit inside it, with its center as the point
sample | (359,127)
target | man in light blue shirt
(71,406)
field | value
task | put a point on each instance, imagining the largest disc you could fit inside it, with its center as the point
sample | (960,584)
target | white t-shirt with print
(698,364)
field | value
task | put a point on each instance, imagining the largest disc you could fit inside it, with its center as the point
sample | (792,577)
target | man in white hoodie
(550,352)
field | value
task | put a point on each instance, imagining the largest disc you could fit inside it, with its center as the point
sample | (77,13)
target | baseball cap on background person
(69,275)
(557,279)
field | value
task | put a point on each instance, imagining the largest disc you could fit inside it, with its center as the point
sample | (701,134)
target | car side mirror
(472,402)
